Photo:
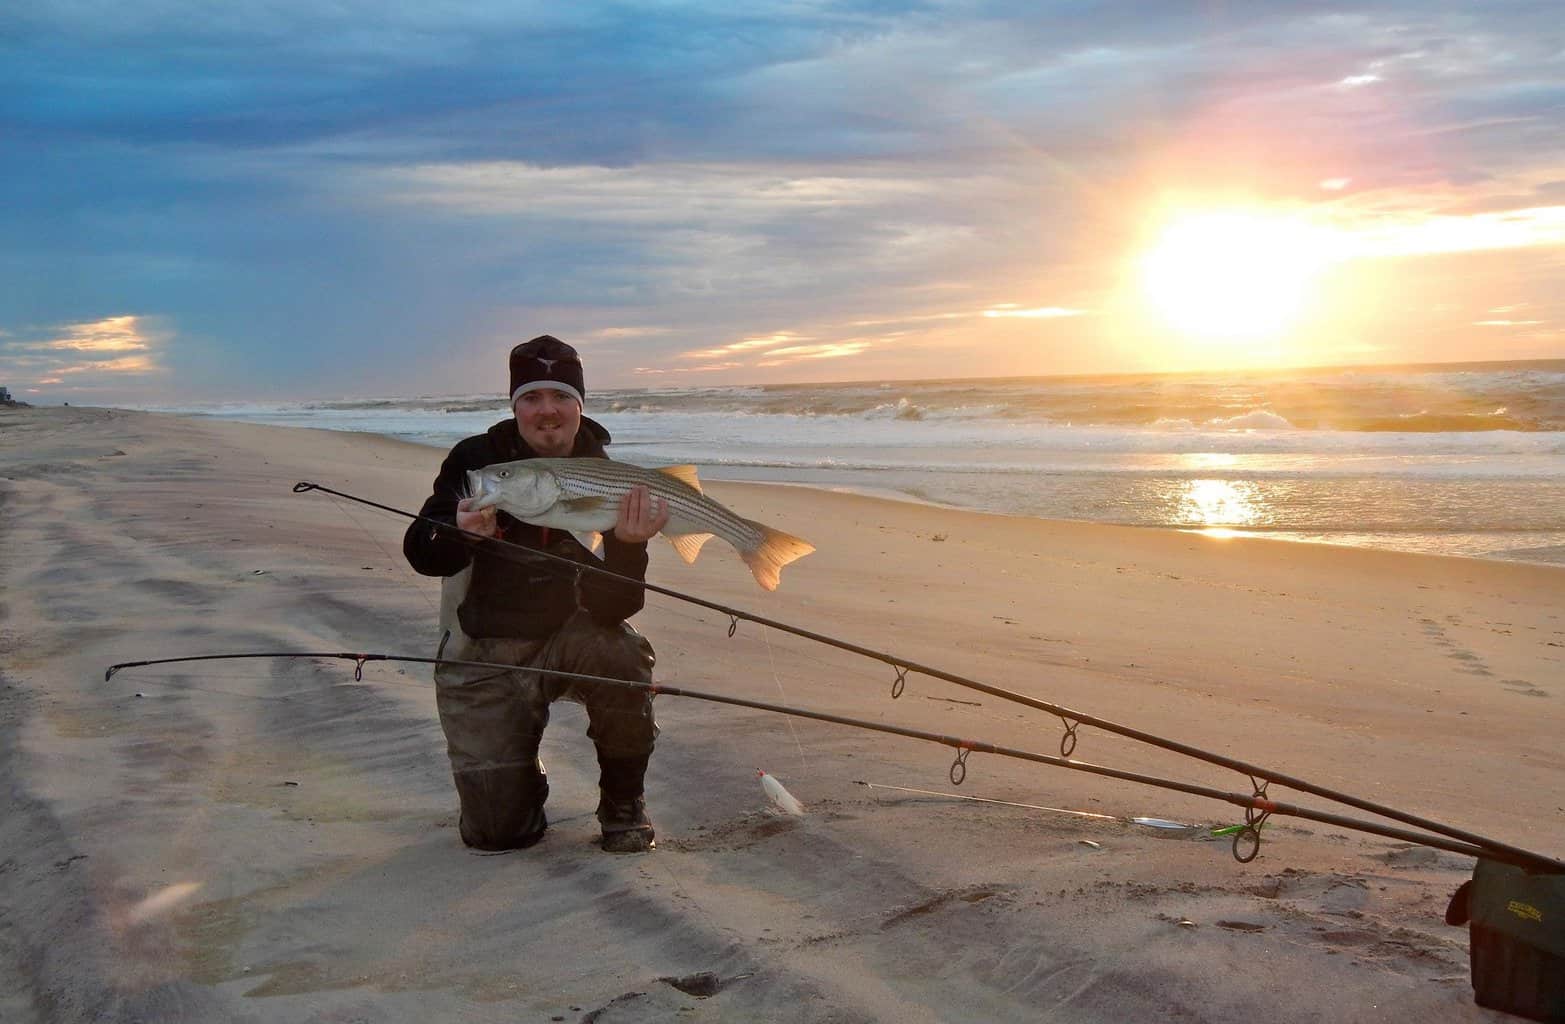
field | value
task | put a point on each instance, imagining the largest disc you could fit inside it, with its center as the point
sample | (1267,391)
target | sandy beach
(275,841)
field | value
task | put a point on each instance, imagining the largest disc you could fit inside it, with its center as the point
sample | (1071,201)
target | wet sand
(275,841)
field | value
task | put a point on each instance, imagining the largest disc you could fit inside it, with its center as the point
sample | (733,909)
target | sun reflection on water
(1215,506)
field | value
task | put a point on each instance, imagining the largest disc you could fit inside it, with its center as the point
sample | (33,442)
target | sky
(295,199)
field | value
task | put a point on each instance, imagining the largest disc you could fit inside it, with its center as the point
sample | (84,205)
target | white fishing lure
(785,801)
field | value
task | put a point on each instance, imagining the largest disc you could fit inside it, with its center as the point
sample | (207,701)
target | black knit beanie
(546,362)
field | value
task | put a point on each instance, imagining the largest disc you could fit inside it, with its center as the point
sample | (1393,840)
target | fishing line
(393,559)
(803,762)
(988,800)
(1260,778)
(1140,820)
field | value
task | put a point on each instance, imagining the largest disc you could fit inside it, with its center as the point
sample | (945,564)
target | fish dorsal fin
(685,475)
(689,545)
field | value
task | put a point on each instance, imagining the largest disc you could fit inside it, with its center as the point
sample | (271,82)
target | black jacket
(513,596)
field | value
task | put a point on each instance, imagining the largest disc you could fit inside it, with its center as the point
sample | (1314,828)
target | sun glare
(1233,275)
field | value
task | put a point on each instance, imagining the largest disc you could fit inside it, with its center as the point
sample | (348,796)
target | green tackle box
(1517,939)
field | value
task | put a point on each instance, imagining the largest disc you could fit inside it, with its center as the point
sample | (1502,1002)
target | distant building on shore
(5,395)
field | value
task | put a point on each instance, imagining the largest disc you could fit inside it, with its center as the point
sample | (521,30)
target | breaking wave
(1519,397)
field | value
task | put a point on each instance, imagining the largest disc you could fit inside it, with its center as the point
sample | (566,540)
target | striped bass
(583,495)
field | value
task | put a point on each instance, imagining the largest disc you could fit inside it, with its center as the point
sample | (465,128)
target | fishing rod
(1260,777)
(1246,842)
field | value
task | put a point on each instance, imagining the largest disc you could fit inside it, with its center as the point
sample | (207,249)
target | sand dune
(273,840)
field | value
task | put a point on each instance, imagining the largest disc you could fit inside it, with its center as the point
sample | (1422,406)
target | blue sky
(300,199)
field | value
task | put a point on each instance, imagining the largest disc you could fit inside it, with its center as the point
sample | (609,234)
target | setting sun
(1232,274)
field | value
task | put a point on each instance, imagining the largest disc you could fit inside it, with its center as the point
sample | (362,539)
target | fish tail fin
(776,549)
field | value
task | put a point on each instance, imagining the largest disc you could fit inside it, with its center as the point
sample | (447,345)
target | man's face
(548,420)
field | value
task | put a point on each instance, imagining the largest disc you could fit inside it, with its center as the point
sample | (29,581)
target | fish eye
(503,474)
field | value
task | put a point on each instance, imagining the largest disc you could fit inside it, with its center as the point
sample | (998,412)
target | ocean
(1451,459)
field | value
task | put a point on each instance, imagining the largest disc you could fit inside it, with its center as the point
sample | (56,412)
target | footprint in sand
(1471,663)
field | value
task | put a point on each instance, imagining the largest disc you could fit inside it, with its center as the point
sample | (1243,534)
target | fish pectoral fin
(689,545)
(591,503)
(685,475)
(592,540)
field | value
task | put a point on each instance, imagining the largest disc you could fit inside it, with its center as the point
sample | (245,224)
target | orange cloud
(83,356)
(769,342)
(126,364)
(1428,235)
(798,353)
(114,334)
(632,332)
(1010,309)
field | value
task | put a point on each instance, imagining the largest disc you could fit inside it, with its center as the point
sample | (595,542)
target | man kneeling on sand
(533,615)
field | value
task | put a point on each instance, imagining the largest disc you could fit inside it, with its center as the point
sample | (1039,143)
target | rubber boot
(622,808)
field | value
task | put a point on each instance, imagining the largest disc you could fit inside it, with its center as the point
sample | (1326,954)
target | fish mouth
(476,490)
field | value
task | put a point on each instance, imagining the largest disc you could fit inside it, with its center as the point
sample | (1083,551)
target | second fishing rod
(1260,776)
(1246,842)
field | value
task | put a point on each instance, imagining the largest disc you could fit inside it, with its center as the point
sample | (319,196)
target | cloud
(654,371)
(909,319)
(632,332)
(124,365)
(661,194)
(84,357)
(784,348)
(1011,310)
(1436,234)
(768,343)
(791,354)
(115,334)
